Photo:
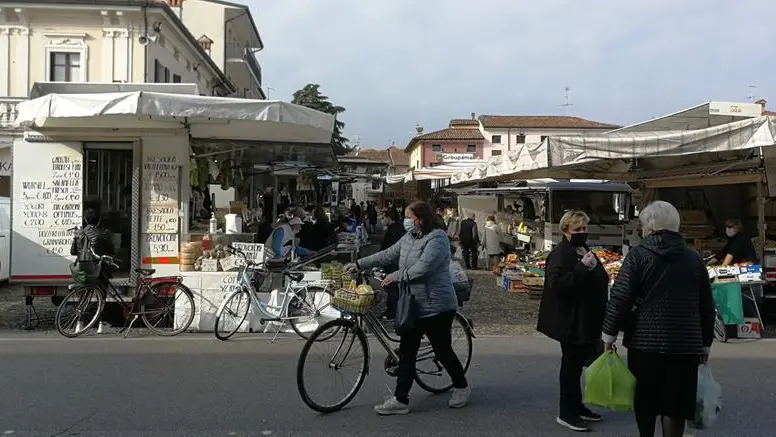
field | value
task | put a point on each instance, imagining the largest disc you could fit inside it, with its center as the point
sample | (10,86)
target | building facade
(460,141)
(398,163)
(502,133)
(229,34)
(367,175)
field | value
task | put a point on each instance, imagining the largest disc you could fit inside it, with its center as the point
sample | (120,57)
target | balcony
(8,110)
(242,66)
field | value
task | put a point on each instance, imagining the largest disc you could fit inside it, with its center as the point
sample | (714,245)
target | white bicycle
(302,305)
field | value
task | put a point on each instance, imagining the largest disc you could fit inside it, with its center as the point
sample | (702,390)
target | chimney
(762,103)
(473,117)
(418,129)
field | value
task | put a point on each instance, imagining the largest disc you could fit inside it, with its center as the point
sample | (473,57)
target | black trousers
(470,254)
(437,329)
(391,297)
(575,358)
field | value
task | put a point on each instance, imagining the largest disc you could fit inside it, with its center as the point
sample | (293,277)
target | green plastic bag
(609,383)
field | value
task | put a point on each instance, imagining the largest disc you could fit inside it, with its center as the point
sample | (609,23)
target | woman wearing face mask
(423,258)
(572,312)
(739,248)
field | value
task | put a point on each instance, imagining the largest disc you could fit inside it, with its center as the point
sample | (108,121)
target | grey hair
(659,216)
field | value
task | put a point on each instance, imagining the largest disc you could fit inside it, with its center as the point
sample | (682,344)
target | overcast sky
(396,63)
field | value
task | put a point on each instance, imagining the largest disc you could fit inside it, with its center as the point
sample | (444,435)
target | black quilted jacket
(662,298)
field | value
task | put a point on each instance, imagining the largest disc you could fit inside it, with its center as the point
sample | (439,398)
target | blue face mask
(409,224)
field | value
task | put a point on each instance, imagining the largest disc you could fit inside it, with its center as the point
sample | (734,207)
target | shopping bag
(406,309)
(609,383)
(708,400)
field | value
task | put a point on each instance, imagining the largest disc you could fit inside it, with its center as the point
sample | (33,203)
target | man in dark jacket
(393,233)
(469,237)
(572,312)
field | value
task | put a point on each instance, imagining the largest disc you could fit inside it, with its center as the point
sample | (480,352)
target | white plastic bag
(708,401)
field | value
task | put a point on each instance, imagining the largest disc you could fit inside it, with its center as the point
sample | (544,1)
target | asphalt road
(197,386)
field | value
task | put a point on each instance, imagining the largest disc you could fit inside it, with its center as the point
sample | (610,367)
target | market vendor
(739,248)
(281,242)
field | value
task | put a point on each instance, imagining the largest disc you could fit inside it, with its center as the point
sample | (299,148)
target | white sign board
(735,109)
(47,200)
(253,251)
(455,157)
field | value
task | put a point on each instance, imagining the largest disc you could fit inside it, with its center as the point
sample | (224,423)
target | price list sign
(53,204)
(160,191)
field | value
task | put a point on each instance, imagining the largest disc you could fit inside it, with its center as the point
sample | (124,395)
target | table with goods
(737,290)
(211,272)
(527,276)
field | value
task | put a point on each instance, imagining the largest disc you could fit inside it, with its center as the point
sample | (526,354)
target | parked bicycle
(348,352)
(302,305)
(165,305)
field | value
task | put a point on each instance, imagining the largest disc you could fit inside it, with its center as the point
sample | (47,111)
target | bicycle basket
(85,272)
(353,300)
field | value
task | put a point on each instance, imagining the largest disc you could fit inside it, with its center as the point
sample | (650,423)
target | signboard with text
(455,157)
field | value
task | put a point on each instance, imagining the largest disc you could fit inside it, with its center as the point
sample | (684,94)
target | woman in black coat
(572,313)
(662,301)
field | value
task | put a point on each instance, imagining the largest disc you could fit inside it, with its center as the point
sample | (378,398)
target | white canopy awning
(445,171)
(701,116)
(610,155)
(205,117)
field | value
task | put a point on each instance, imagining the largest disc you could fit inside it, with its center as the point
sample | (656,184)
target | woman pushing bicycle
(423,257)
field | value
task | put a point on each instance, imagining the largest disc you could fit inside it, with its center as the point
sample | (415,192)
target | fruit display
(606,256)
(217,253)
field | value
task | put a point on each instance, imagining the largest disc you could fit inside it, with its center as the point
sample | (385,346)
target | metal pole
(761,225)
(275,197)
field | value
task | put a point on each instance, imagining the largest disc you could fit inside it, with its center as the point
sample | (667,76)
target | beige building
(124,41)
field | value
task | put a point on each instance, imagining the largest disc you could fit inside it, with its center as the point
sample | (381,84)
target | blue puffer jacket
(424,259)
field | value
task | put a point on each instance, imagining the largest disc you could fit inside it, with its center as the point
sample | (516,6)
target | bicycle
(155,298)
(301,304)
(354,340)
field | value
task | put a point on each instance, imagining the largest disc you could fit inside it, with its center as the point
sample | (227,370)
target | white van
(5,237)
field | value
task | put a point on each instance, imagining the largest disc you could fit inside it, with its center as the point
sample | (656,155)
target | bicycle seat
(145,272)
(294,276)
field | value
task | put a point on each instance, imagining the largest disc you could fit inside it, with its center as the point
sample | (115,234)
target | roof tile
(541,121)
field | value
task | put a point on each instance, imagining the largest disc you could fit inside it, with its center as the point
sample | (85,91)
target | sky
(394,64)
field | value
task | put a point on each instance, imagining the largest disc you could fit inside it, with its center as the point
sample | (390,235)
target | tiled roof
(449,134)
(464,122)
(398,157)
(541,121)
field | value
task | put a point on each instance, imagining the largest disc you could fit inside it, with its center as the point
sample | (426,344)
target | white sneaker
(392,407)
(460,397)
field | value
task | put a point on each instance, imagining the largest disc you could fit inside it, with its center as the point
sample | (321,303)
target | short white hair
(659,216)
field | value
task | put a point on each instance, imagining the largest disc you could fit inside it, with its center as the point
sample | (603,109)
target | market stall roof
(554,184)
(629,156)
(286,132)
(40,89)
(701,116)
(445,171)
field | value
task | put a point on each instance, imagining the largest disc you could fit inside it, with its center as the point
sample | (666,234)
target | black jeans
(575,358)
(391,297)
(470,255)
(437,329)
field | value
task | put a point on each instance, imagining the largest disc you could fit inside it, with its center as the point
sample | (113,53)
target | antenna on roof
(566,102)
(751,92)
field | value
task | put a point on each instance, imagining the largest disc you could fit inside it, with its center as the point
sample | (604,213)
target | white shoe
(460,397)
(392,407)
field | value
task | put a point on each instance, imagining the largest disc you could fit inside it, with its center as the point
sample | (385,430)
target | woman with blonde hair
(572,312)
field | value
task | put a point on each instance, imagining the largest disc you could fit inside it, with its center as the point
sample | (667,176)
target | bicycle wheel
(79,311)
(429,373)
(305,312)
(167,309)
(232,314)
(348,353)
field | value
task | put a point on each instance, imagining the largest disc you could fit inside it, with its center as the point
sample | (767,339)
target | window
(471,148)
(176,78)
(520,139)
(161,73)
(495,152)
(495,139)
(544,137)
(436,147)
(65,67)
(377,184)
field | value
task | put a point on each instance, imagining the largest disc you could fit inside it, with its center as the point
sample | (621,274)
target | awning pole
(275,197)
(761,225)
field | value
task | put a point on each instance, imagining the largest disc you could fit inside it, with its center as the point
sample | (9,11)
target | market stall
(144,142)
